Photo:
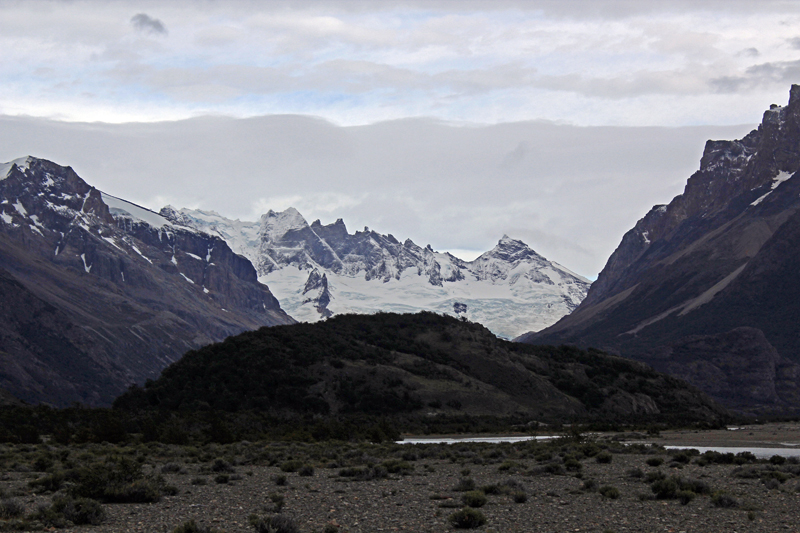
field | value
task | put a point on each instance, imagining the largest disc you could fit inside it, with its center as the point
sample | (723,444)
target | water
(457,440)
(761,453)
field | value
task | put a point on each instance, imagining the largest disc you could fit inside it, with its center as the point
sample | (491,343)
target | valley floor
(559,498)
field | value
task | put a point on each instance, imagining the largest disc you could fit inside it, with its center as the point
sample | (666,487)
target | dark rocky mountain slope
(97,293)
(706,288)
(424,363)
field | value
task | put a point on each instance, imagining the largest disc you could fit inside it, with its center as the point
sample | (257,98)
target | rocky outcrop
(98,293)
(705,287)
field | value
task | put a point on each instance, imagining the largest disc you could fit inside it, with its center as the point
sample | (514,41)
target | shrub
(331,528)
(519,497)
(280,480)
(589,485)
(365,474)
(80,511)
(572,464)
(171,468)
(722,499)
(11,508)
(474,498)
(275,524)
(604,457)
(291,466)
(192,527)
(222,478)
(467,518)
(635,473)
(221,465)
(465,484)
(306,471)
(685,496)
(199,481)
(394,466)
(655,461)
(609,492)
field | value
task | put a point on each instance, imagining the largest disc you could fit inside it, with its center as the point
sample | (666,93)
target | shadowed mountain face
(428,364)
(706,288)
(97,293)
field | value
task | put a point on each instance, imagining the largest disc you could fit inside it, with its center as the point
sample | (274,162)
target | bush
(11,509)
(655,461)
(685,496)
(519,497)
(221,465)
(171,468)
(280,480)
(306,471)
(192,527)
(722,499)
(465,484)
(222,478)
(275,524)
(80,511)
(609,492)
(291,466)
(467,518)
(474,498)
(604,457)
(365,474)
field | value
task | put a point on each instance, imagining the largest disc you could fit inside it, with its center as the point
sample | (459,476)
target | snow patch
(135,249)
(6,218)
(20,209)
(194,256)
(186,278)
(87,268)
(120,208)
(777,180)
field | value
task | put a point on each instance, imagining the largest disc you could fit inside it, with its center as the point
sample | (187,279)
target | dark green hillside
(388,364)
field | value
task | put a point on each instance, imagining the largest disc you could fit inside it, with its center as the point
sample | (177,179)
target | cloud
(569,192)
(145,23)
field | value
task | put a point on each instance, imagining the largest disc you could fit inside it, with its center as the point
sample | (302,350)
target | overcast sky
(448,122)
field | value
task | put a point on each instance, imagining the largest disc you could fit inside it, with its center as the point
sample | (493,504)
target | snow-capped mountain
(97,293)
(318,270)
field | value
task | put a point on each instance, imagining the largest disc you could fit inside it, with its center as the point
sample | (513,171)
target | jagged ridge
(318,270)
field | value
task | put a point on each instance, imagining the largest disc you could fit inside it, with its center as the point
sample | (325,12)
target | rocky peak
(728,170)
(510,251)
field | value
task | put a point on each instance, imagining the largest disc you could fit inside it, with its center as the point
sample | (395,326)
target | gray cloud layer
(570,192)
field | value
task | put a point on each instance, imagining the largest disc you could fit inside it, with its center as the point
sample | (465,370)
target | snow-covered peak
(276,224)
(509,250)
(22,163)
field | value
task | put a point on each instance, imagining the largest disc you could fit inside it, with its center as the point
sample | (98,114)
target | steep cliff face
(718,262)
(99,293)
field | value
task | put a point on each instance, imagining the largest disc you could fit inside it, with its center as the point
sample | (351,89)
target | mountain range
(97,293)
(319,270)
(706,287)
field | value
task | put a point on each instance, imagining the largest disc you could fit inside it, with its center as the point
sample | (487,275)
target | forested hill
(387,364)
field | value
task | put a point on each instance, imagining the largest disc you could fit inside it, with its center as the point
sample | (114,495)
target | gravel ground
(423,500)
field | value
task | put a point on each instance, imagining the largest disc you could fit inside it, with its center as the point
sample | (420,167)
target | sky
(452,123)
